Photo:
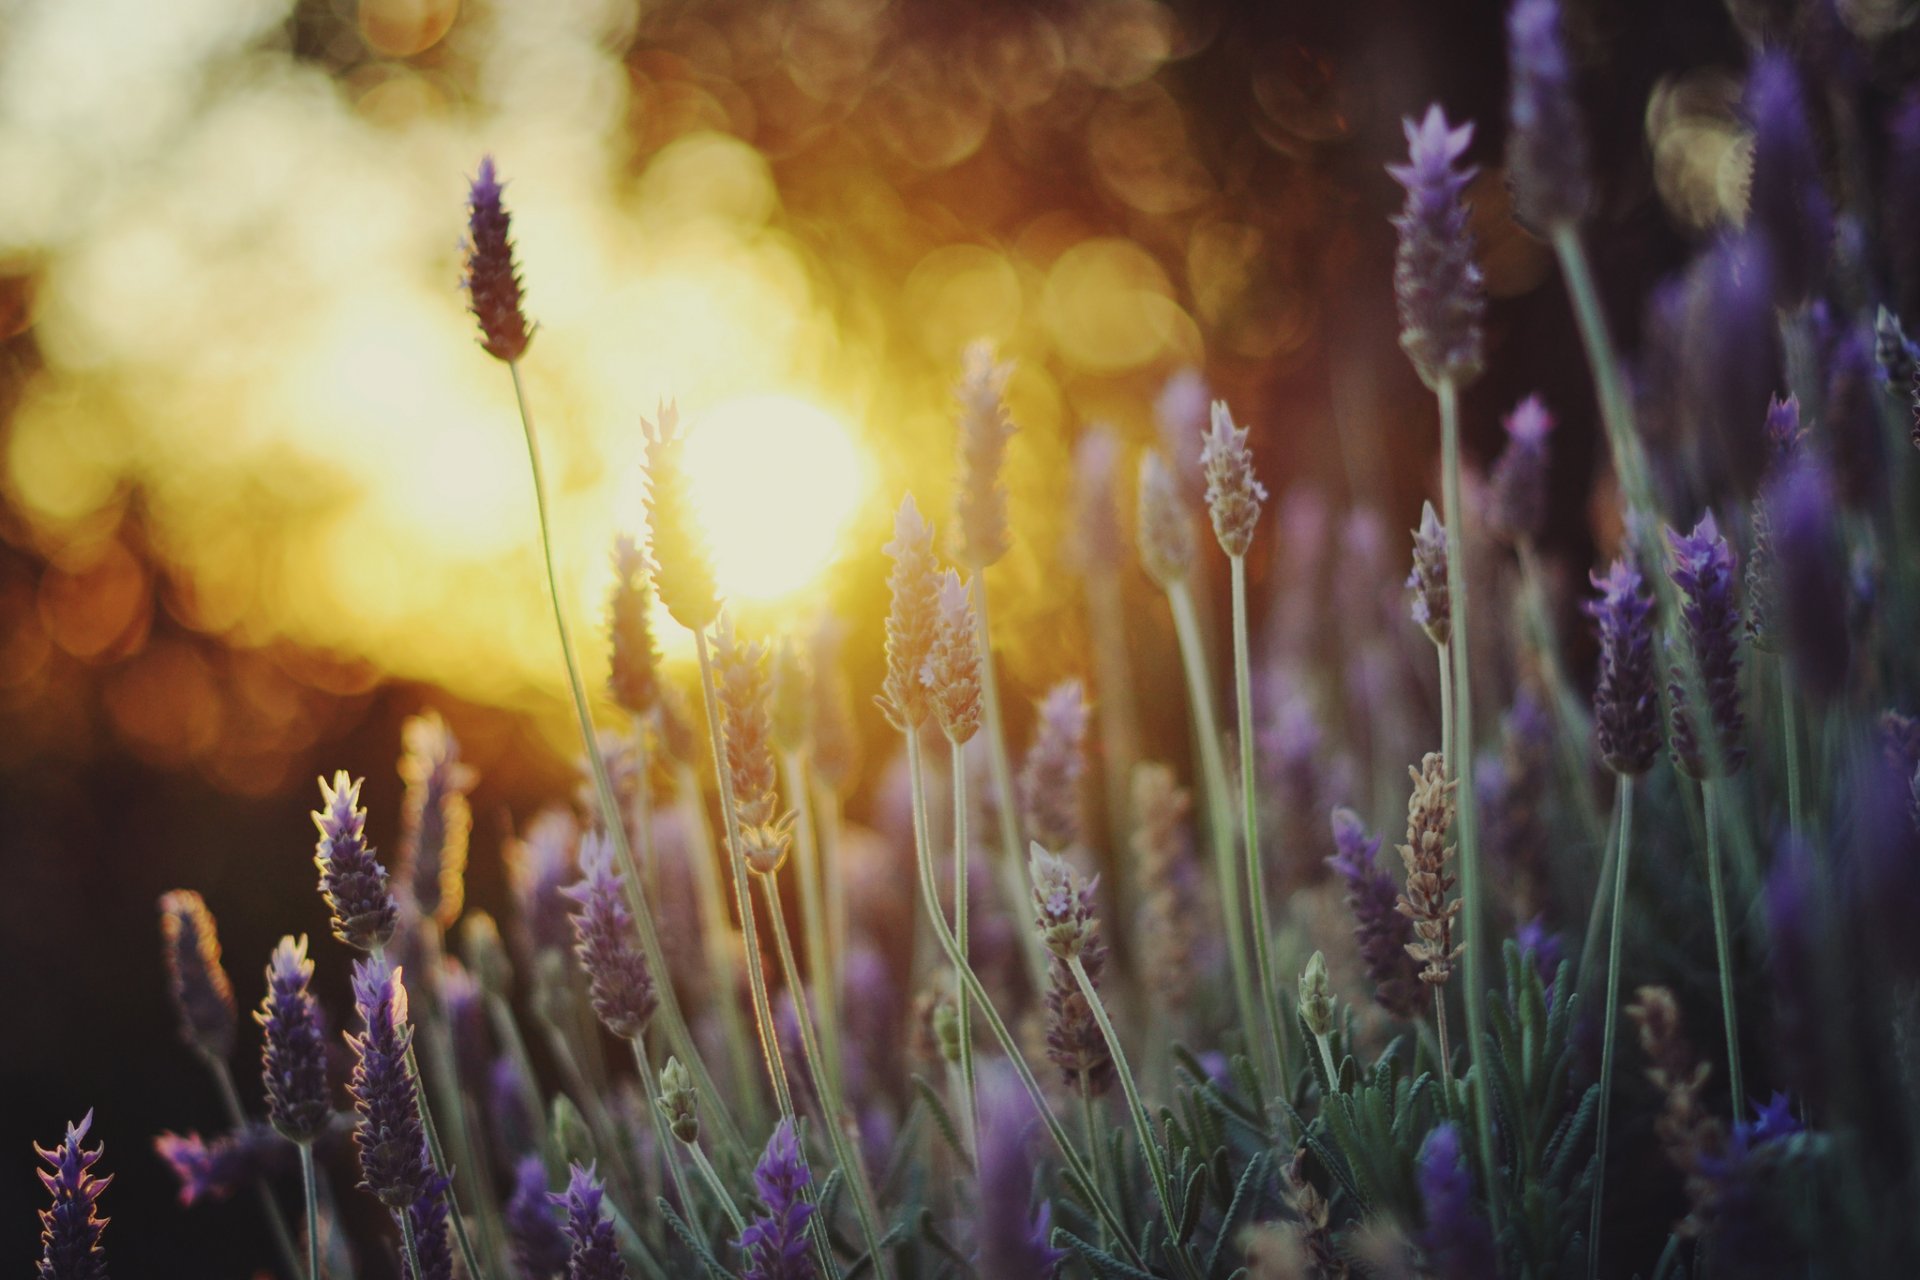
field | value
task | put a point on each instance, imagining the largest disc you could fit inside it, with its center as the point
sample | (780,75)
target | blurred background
(262,495)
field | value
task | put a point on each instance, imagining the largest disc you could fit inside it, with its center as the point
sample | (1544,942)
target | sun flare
(775,480)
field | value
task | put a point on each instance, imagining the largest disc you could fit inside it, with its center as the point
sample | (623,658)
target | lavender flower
(428,1217)
(1049,783)
(1165,531)
(746,729)
(391,1141)
(1546,144)
(1810,586)
(775,1243)
(912,619)
(70,1229)
(1069,929)
(1793,928)
(534,1236)
(633,676)
(1729,354)
(201,992)
(984,431)
(1013,1238)
(1626,701)
(682,566)
(1234,495)
(1517,506)
(293,1057)
(1895,355)
(492,280)
(1097,538)
(1432,600)
(619,982)
(1438,284)
(1703,570)
(351,878)
(1852,423)
(435,819)
(1545,948)
(540,865)
(1384,934)
(211,1171)
(592,1252)
(1751,1236)
(1512,788)
(952,670)
(1784,432)
(1786,203)
(1430,810)
(1179,411)
(1456,1239)
(679,1102)
(1063,904)
(514,1120)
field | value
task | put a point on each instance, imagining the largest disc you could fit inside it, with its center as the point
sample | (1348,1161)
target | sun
(774,481)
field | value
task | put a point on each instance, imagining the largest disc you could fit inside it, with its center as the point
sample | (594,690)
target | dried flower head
(435,819)
(351,878)
(1441,294)
(201,993)
(1431,600)
(592,1251)
(1050,775)
(390,1137)
(1703,570)
(492,280)
(1546,142)
(1165,530)
(1384,934)
(1688,1135)
(1626,699)
(912,619)
(746,729)
(679,1102)
(619,982)
(293,1058)
(775,1243)
(1426,855)
(1517,497)
(678,555)
(984,430)
(633,676)
(1074,1043)
(70,1228)
(952,670)
(1234,495)
(1163,843)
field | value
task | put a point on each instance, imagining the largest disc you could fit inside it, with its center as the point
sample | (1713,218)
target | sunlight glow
(775,480)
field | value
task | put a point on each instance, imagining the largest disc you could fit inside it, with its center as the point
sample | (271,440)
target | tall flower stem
(813,912)
(833,884)
(1270,1024)
(1446,705)
(1722,941)
(1468,825)
(662,1136)
(237,1117)
(963,1005)
(1136,1108)
(1220,826)
(1096,1149)
(833,1111)
(506,1030)
(1440,1033)
(1790,733)
(716,929)
(719,1188)
(1119,727)
(1623,819)
(409,1245)
(460,1133)
(1013,885)
(669,1012)
(311,1183)
(930,897)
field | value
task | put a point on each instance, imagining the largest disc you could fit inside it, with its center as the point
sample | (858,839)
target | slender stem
(1270,1022)
(1446,708)
(1596,913)
(507,1031)
(661,1134)
(930,898)
(833,1113)
(438,1155)
(237,1117)
(1096,1149)
(1011,864)
(1136,1106)
(408,1244)
(1467,826)
(718,1188)
(311,1183)
(813,911)
(1623,817)
(1790,731)
(1440,1032)
(669,1011)
(826,807)
(1722,941)
(1119,723)
(460,1134)
(1326,1060)
(716,932)
(1220,825)
(963,1006)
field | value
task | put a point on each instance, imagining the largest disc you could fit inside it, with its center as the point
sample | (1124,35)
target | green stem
(1270,1022)
(1623,810)
(1136,1108)
(1220,826)
(461,1134)
(237,1117)
(1790,732)
(718,1188)
(669,1011)
(813,912)
(312,1187)
(716,932)
(1446,708)
(826,806)
(1467,826)
(507,1031)
(661,1134)
(1440,1033)
(408,1244)
(1722,941)
(1326,1060)
(1119,727)
(930,897)
(1596,913)
(962,1005)
(1096,1148)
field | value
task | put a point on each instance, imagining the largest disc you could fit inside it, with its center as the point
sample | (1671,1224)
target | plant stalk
(1623,810)
(311,1184)
(237,1117)
(963,1005)
(1790,732)
(661,1134)
(716,927)
(813,912)
(1722,940)
(718,1188)
(1270,1022)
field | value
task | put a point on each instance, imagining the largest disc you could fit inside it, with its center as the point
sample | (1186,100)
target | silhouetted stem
(1722,940)
(716,931)
(963,1005)
(813,912)
(237,1117)
(1270,1024)
(662,1136)
(1623,808)
(310,1184)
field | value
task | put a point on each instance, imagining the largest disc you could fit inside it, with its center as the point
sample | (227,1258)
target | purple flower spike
(1013,1238)
(210,1171)
(492,279)
(1383,933)
(1784,432)
(1442,296)
(428,1217)
(1794,930)
(1786,203)
(621,985)
(1049,783)
(1851,423)
(201,991)
(1456,1239)
(70,1229)
(1626,701)
(1729,351)
(351,877)
(592,1253)
(435,819)
(1432,600)
(1811,586)
(533,1231)
(1703,570)
(1099,544)
(1546,144)
(1517,506)
(392,1143)
(775,1243)
(293,1059)
(540,865)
